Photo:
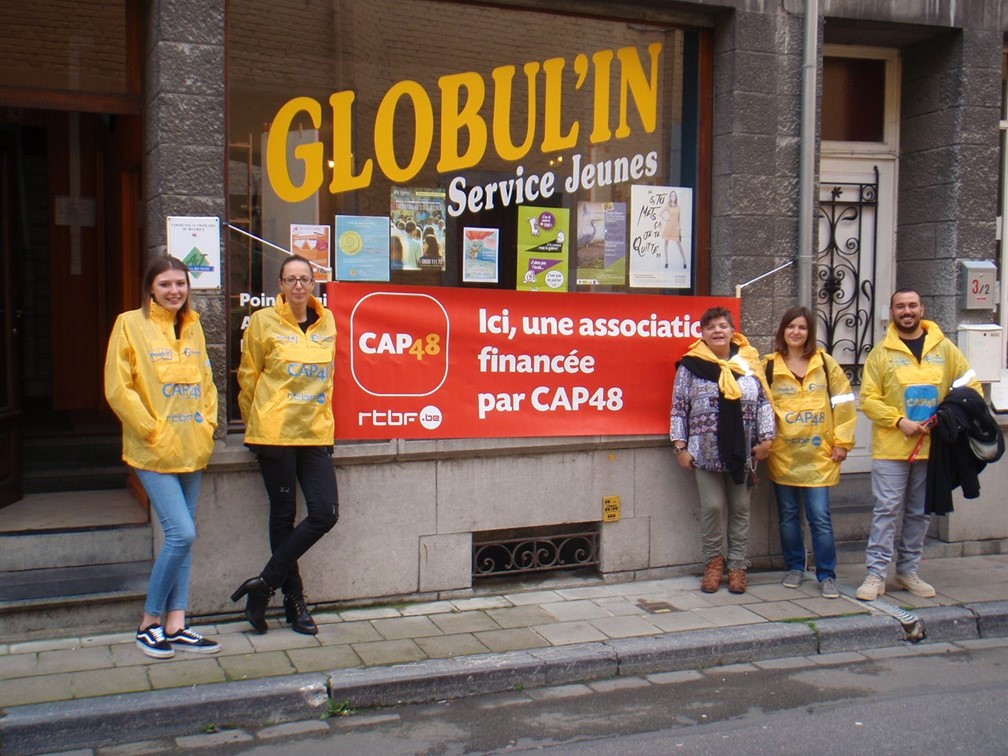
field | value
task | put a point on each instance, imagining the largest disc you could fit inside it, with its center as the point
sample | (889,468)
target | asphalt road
(920,704)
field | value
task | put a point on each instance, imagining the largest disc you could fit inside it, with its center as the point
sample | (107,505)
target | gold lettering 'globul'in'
(463,97)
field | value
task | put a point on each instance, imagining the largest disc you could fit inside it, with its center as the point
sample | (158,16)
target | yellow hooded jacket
(162,390)
(895,385)
(811,421)
(286,378)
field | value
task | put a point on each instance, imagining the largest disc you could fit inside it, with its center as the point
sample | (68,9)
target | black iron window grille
(533,550)
(845,272)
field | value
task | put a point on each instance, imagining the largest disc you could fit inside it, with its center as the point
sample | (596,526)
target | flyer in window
(601,244)
(196,242)
(480,255)
(362,248)
(311,241)
(661,232)
(543,248)
(418,220)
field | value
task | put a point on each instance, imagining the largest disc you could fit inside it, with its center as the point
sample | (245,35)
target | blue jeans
(173,497)
(820,524)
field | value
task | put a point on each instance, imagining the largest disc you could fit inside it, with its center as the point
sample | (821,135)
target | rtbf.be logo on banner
(414,362)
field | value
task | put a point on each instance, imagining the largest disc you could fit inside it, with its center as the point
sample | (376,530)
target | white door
(854,267)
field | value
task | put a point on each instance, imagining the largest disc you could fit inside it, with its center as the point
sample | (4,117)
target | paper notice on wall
(197,243)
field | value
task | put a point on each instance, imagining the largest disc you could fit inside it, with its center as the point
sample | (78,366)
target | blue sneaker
(151,640)
(189,640)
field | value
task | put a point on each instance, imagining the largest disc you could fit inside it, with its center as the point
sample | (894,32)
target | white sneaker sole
(154,653)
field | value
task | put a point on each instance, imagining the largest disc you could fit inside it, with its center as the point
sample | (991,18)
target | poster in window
(601,243)
(311,241)
(196,242)
(480,258)
(416,214)
(362,248)
(543,248)
(661,228)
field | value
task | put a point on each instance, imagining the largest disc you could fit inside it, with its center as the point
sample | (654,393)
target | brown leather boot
(736,581)
(712,575)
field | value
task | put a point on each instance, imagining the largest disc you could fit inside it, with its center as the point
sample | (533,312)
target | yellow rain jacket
(162,390)
(895,385)
(286,378)
(811,421)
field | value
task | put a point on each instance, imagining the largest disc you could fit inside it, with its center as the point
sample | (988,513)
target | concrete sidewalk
(90,691)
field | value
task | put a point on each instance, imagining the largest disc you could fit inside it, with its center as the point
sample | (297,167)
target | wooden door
(10,406)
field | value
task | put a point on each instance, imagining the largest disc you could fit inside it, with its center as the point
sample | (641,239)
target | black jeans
(283,467)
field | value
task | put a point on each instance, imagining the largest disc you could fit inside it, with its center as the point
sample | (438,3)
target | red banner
(417,362)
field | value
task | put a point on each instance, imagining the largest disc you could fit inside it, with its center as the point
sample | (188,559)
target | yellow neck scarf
(726,381)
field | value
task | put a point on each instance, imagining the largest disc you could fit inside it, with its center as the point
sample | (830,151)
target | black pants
(283,467)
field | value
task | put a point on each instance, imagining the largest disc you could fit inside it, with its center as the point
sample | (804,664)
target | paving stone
(730,669)
(32,690)
(179,674)
(838,657)
(776,611)
(326,618)
(791,662)
(829,607)
(107,682)
(324,659)
(213,739)
(777,592)
(48,644)
(282,641)
(572,594)
(683,599)
(909,649)
(532,597)
(377,612)
(75,659)
(679,621)
(511,640)
(563,633)
(725,616)
(429,607)
(983,643)
(363,720)
(293,729)
(347,632)
(18,665)
(575,610)
(254,666)
(481,602)
(500,700)
(388,652)
(447,646)
(406,627)
(625,627)
(109,639)
(619,606)
(520,616)
(857,633)
(464,622)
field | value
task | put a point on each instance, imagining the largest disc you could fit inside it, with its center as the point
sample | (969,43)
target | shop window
(461,135)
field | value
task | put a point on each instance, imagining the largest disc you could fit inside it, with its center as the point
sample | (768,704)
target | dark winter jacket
(964,440)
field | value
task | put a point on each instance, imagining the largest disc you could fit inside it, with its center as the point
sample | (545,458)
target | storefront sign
(419,362)
(469,116)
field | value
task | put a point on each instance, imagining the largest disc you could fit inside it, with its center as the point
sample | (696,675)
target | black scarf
(730,428)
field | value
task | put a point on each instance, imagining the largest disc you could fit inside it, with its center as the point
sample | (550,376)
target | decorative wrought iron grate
(534,552)
(845,271)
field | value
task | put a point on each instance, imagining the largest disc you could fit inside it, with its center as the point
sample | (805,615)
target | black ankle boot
(259,594)
(298,616)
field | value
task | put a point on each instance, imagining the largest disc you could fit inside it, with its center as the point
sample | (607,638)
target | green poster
(543,248)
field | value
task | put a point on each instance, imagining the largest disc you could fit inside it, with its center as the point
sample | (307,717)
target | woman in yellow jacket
(286,381)
(159,383)
(816,416)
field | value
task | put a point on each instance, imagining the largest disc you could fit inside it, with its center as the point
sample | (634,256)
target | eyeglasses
(305,281)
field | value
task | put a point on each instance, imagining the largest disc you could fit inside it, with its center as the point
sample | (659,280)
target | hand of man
(839,454)
(910,428)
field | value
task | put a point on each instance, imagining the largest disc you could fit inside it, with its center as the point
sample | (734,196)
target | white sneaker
(872,587)
(912,583)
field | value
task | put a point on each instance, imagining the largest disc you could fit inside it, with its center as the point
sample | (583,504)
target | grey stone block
(437,679)
(577,662)
(710,648)
(96,722)
(948,623)
(992,618)
(854,633)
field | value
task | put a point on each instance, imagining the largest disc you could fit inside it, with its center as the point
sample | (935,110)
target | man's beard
(904,330)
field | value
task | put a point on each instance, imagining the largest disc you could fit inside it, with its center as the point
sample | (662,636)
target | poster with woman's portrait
(661,236)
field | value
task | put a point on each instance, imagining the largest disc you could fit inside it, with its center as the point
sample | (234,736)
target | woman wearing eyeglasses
(286,380)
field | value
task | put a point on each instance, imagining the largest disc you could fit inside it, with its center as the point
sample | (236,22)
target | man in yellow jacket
(905,379)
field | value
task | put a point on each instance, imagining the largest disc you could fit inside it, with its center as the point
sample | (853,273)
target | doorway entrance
(70,241)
